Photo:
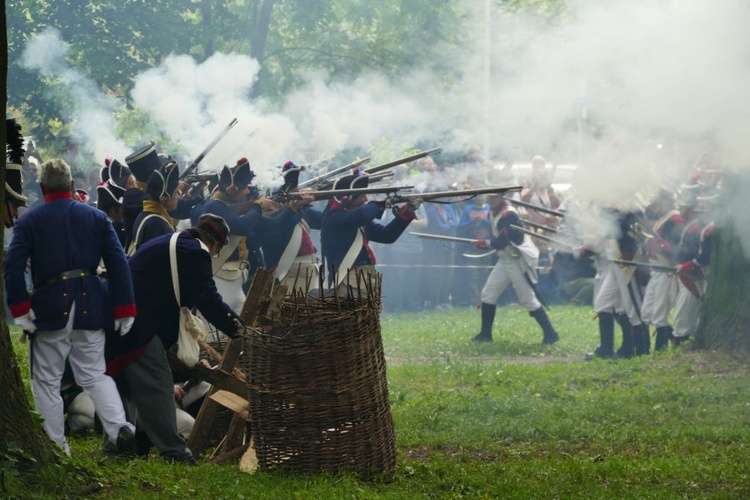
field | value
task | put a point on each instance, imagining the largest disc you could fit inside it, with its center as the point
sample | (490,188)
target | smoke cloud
(89,110)
(631,91)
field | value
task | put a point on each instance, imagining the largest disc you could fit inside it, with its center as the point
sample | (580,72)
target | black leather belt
(73,273)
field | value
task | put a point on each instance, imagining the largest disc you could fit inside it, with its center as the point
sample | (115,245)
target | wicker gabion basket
(318,389)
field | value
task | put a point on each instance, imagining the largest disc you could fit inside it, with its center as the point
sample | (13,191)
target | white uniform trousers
(85,351)
(508,272)
(303,274)
(687,310)
(613,295)
(659,299)
(231,292)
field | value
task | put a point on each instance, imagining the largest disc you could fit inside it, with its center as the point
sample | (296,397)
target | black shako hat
(356,180)
(164,180)
(238,176)
(108,194)
(290,172)
(143,162)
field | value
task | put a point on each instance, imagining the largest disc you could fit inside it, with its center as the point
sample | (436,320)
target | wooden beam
(217,378)
(209,408)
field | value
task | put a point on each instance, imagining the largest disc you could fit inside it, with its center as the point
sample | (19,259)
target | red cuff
(406,214)
(21,309)
(124,311)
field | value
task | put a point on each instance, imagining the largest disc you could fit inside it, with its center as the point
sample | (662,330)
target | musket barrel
(429,197)
(647,265)
(544,237)
(401,161)
(327,194)
(333,172)
(208,149)
(442,237)
(538,208)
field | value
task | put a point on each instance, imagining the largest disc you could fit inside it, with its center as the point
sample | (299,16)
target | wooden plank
(209,408)
(275,304)
(230,455)
(255,295)
(232,401)
(217,378)
(236,434)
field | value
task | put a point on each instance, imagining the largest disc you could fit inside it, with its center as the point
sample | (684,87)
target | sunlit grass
(507,419)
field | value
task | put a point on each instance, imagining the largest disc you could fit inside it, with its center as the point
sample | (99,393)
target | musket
(401,161)
(336,193)
(538,208)
(544,237)
(208,149)
(647,265)
(443,237)
(431,197)
(315,180)
(540,226)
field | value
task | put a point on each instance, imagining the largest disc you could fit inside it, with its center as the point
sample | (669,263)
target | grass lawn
(507,419)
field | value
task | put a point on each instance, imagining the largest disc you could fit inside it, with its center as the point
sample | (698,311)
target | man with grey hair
(70,306)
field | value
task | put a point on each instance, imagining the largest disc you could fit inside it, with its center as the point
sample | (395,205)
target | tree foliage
(112,41)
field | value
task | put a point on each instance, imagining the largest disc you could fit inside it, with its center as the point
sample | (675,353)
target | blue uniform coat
(58,236)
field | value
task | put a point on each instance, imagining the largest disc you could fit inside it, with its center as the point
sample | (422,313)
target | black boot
(663,335)
(627,349)
(641,339)
(680,340)
(488,317)
(606,337)
(550,334)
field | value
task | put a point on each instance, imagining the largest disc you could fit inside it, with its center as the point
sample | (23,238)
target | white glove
(26,322)
(123,325)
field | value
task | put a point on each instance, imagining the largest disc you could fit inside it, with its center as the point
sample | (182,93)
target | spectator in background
(538,190)
(439,255)
(474,223)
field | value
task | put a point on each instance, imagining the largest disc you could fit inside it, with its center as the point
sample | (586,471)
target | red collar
(58,195)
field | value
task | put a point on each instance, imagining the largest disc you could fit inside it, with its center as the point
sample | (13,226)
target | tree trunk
(725,317)
(208,43)
(21,435)
(261,25)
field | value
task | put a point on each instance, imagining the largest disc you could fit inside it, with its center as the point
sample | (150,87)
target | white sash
(224,253)
(288,255)
(351,256)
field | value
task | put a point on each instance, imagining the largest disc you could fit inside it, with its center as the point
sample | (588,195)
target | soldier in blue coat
(65,315)
(139,360)
(155,219)
(349,224)
(287,246)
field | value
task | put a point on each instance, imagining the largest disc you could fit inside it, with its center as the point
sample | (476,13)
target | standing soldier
(155,220)
(694,259)
(662,250)
(287,246)
(349,225)
(618,293)
(516,265)
(69,308)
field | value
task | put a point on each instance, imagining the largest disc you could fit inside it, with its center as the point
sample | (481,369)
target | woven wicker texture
(318,388)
